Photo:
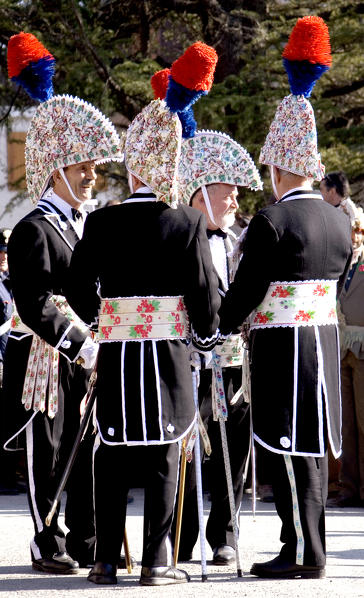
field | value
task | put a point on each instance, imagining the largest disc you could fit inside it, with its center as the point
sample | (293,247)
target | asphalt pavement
(259,541)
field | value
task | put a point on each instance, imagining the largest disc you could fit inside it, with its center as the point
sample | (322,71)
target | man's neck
(288,188)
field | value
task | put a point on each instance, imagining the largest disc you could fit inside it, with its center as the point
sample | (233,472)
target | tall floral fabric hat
(206,156)
(65,130)
(291,143)
(214,157)
(153,140)
(152,149)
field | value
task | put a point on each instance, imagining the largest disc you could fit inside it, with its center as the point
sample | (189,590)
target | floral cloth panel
(139,318)
(231,352)
(43,361)
(303,303)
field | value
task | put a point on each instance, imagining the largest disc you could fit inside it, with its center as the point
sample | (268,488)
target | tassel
(31,65)
(307,54)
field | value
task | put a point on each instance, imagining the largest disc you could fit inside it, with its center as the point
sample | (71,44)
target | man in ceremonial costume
(296,256)
(50,351)
(148,301)
(207,159)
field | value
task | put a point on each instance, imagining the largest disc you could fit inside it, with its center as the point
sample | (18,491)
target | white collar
(300,193)
(143,190)
(62,205)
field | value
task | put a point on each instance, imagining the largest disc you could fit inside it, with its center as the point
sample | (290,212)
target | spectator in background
(8,484)
(351,477)
(6,307)
(335,188)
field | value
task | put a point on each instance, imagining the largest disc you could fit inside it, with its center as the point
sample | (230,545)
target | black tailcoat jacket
(143,248)
(300,238)
(39,254)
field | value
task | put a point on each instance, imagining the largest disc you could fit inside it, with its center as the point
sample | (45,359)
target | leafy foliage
(107,50)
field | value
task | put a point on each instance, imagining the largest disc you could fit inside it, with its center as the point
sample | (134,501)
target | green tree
(107,50)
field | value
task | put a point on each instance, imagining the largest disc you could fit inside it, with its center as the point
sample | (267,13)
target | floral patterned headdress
(207,156)
(291,143)
(213,157)
(153,140)
(65,130)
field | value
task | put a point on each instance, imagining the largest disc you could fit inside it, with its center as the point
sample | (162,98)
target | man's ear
(197,200)
(277,174)
(56,176)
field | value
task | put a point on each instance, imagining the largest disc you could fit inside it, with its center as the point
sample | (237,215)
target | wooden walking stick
(127,553)
(90,400)
(181,496)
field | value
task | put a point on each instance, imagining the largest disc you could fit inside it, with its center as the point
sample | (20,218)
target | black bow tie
(218,232)
(76,214)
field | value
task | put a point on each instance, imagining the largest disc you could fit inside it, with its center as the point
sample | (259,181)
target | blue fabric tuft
(189,125)
(302,75)
(180,98)
(36,79)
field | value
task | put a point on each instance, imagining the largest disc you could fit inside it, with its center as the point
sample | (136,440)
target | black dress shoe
(280,569)
(122,562)
(162,576)
(60,562)
(103,574)
(223,555)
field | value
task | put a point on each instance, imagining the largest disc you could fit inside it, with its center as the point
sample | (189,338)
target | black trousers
(219,529)
(48,445)
(300,493)
(114,471)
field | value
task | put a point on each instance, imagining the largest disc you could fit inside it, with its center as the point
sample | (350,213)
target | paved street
(258,542)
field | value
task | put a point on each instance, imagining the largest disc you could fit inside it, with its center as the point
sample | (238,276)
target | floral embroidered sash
(43,361)
(303,303)
(231,352)
(139,318)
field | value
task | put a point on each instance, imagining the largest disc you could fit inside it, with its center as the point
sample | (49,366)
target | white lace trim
(141,297)
(207,340)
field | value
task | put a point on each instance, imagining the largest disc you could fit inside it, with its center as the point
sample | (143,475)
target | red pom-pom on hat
(195,68)
(24,48)
(159,82)
(309,40)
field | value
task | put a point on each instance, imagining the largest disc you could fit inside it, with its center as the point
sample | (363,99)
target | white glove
(88,353)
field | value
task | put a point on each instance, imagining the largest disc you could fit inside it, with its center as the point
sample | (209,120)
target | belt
(296,304)
(139,318)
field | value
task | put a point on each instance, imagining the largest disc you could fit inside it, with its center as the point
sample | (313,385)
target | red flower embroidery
(280,291)
(263,318)
(320,290)
(179,328)
(145,306)
(180,305)
(108,308)
(304,316)
(106,330)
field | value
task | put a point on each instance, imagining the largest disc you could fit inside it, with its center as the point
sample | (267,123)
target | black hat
(4,238)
